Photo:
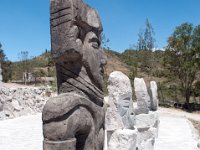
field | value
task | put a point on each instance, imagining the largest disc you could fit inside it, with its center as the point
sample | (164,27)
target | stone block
(146,121)
(146,139)
(123,140)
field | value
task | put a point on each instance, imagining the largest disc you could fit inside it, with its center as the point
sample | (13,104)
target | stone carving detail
(142,96)
(127,127)
(74,120)
(145,101)
(154,95)
(120,101)
(147,120)
(120,117)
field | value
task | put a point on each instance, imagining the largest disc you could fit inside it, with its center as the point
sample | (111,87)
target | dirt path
(179,113)
(176,131)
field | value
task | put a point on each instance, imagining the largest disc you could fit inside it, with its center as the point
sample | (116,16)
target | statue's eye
(94,42)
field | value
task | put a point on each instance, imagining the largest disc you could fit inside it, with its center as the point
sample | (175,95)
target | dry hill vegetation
(130,62)
(176,70)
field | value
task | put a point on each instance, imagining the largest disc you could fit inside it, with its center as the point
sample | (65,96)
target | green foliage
(146,43)
(146,40)
(41,66)
(196,89)
(6,66)
(181,56)
(105,41)
(2,55)
(40,73)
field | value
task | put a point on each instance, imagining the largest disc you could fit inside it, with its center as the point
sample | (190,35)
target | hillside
(114,63)
(42,66)
(133,63)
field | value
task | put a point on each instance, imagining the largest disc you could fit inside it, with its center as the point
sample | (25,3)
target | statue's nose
(103,57)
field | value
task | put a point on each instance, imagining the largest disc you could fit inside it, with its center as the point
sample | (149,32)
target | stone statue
(120,117)
(142,96)
(154,95)
(74,120)
(120,102)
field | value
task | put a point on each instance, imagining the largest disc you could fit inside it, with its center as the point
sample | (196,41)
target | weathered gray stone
(113,120)
(16,105)
(154,95)
(120,101)
(69,144)
(146,139)
(120,115)
(146,121)
(123,140)
(142,96)
(15,101)
(149,144)
(77,112)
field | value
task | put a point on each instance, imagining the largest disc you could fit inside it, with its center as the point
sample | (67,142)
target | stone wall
(15,102)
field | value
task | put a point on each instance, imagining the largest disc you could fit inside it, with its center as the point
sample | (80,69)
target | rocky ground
(19,100)
(175,133)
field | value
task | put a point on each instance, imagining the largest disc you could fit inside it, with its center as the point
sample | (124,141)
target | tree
(141,42)
(105,41)
(2,55)
(146,43)
(181,56)
(6,66)
(25,65)
(146,40)
(149,39)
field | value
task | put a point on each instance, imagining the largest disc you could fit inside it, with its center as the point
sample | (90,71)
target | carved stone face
(94,58)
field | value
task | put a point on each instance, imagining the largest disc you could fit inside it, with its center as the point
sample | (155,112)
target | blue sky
(24,24)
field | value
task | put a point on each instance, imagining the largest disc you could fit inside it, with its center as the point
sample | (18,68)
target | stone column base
(60,145)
